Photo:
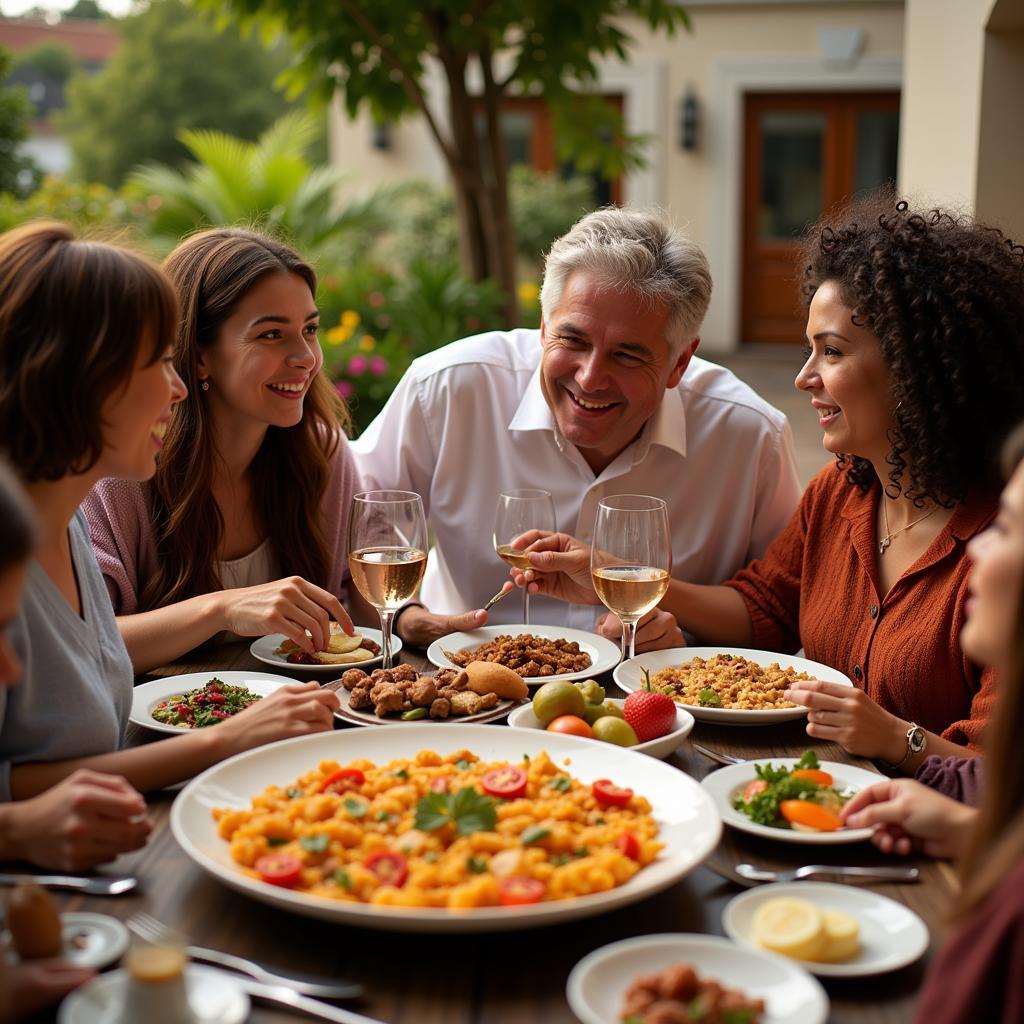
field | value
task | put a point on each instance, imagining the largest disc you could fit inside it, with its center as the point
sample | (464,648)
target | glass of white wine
(519,511)
(387,552)
(631,560)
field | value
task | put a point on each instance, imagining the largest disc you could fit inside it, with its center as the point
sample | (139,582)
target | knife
(278,995)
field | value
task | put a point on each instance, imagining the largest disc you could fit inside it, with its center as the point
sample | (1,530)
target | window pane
(791,155)
(878,133)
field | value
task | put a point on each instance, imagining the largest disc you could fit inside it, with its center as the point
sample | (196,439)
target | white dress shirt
(469,421)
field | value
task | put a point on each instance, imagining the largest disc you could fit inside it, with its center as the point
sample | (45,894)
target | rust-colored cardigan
(817,588)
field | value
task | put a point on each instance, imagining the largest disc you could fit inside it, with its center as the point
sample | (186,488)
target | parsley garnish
(355,807)
(342,878)
(476,865)
(709,699)
(293,792)
(468,810)
(534,834)
(382,816)
(316,843)
(400,774)
(277,840)
(462,764)
(561,782)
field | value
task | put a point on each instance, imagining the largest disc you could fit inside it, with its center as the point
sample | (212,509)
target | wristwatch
(916,740)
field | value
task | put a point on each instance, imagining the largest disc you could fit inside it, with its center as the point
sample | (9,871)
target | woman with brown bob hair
(977,975)
(915,371)
(243,528)
(87,386)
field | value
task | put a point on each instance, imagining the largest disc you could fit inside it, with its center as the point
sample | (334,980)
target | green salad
(803,797)
(208,705)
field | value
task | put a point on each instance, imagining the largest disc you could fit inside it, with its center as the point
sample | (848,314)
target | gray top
(75,692)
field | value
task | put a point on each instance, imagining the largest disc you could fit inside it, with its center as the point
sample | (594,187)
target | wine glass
(387,552)
(631,560)
(519,511)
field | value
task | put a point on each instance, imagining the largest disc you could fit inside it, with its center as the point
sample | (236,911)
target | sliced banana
(792,927)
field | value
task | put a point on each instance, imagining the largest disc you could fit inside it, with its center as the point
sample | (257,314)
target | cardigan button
(857,673)
(874,611)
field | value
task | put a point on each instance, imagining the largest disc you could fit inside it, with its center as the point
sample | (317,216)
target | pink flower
(378,366)
(344,388)
(376,299)
(357,365)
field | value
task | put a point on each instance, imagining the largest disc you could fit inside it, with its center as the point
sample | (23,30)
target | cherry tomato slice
(517,891)
(627,843)
(753,788)
(439,785)
(342,781)
(812,775)
(389,866)
(607,794)
(507,782)
(810,815)
(279,869)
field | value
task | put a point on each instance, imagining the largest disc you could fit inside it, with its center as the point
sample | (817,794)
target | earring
(205,385)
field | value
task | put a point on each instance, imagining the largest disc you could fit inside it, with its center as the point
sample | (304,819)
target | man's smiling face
(606,365)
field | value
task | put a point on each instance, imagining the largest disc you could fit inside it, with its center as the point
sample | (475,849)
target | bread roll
(489,677)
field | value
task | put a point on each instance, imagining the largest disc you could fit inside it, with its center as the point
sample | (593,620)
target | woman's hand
(848,716)
(656,631)
(86,819)
(560,567)
(293,710)
(911,817)
(32,986)
(292,606)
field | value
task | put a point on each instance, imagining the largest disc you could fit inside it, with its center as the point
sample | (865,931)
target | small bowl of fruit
(647,721)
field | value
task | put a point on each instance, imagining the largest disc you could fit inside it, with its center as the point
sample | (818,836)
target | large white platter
(265,650)
(524,718)
(727,783)
(146,696)
(629,676)
(604,655)
(690,825)
(598,983)
(891,935)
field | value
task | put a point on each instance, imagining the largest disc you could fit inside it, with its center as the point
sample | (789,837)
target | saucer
(90,940)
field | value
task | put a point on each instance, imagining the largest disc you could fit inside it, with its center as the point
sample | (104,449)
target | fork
(831,872)
(715,755)
(149,928)
(95,885)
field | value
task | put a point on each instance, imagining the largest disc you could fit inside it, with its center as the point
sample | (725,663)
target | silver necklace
(887,539)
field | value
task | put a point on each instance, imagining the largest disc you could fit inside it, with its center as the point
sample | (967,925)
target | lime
(614,730)
(555,699)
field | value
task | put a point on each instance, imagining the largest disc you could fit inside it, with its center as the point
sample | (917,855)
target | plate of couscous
(444,828)
(726,685)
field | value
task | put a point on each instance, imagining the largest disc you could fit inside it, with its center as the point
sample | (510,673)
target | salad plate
(598,983)
(265,649)
(604,655)
(630,676)
(146,696)
(891,935)
(726,785)
(689,825)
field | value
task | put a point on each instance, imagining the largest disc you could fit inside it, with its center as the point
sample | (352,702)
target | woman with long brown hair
(243,528)
(977,976)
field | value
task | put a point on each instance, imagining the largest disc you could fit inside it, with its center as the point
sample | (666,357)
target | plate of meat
(342,652)
(401,694)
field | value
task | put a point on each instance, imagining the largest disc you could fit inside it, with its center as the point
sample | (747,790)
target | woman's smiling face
(847,379)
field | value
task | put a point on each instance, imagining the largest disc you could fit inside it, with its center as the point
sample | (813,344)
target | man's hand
(656,631)
(560,567)
(420,627)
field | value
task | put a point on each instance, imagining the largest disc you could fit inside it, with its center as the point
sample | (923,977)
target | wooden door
(804,154)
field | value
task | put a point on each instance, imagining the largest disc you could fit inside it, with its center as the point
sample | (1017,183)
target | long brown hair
(997,843)
(213,271)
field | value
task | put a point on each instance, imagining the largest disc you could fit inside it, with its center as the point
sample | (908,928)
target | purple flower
(344,388)
(357,365)
(378,366)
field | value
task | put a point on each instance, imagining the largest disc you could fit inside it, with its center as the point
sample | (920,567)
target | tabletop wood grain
(508,978)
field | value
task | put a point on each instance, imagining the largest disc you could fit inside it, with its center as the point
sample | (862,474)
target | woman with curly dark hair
(915,368)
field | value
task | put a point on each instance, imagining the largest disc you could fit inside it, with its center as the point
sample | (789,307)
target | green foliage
(85,206)
(269,183)
(49,60)
(18,174)
(86,9)
(173,72)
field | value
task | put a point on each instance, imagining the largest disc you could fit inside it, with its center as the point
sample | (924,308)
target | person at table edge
(607,397)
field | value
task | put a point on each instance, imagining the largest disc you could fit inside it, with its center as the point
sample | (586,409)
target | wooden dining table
(508,977)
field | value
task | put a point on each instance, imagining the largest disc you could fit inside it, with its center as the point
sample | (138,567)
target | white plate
(690,826)
(524,718)
(604,655)
(630,677)
(264,650)
(90,940)
(214,996)
(727,783)
(598,983)
(891,935)
(147,695)
(368,717)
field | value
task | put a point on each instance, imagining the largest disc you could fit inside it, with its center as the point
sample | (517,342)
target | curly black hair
(945,297)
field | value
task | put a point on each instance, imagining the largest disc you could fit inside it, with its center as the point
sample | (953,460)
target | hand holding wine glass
(387,552)
(631,560)
(519,512)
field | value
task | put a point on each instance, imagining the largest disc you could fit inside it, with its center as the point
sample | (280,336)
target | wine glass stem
(628,639)
(526,604)
(386,617)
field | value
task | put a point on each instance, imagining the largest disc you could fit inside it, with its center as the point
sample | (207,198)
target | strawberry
(650,712)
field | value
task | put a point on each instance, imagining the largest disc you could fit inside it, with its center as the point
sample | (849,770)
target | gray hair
(17,522)
(636,251)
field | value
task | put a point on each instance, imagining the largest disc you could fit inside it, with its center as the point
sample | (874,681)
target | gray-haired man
(606,398)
